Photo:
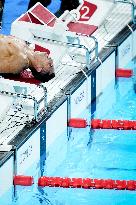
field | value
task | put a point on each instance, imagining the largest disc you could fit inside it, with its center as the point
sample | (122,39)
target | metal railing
(36,103)
(133,8)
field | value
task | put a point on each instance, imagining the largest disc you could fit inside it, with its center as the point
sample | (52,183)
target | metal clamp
(43,99)
(69,130)
(95,48)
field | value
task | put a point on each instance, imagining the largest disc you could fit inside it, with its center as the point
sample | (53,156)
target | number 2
(86,12)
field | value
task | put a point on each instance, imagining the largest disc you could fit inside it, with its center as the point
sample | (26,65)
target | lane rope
(103,124)
(67,182)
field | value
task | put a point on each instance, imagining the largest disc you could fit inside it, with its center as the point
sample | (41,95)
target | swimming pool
(96,154)
(86,153)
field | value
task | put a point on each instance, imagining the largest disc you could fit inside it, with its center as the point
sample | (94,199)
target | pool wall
(6,176)
(28,153)
(56,137)
(37,142)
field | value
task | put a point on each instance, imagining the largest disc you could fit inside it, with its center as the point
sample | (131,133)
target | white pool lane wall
(28,154)
(105,76)
(126,51)
(6,181)
(56,138)
(81,98)
(105,73)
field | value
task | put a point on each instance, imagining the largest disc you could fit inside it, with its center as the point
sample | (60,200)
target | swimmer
(16,56)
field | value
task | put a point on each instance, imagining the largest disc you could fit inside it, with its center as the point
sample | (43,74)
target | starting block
(59,35)
(41,15)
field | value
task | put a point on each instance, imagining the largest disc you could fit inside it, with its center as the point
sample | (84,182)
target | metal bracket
(95,48)
(69,130)
(44,100)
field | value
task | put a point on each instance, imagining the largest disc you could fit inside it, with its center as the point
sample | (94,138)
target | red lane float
(127,73)
(87,183)
(77,123)
(113,124)
(23,180)
(103,124)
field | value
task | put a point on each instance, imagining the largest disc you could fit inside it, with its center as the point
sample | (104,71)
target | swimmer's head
(42,76)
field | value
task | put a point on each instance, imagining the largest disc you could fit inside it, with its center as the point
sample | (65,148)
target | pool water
(94,154)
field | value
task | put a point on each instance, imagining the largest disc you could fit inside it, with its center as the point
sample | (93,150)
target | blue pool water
(95,154)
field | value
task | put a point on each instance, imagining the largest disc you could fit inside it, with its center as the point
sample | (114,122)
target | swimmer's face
(42,63)
(44,75)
